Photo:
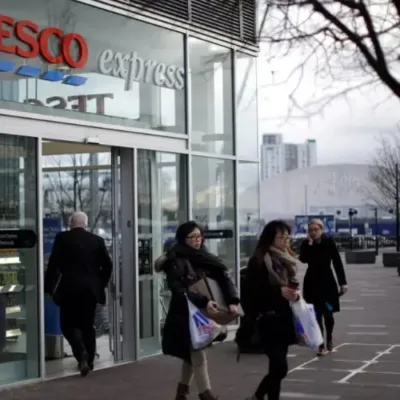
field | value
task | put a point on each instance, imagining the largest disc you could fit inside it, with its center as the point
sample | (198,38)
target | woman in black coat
(270,282)
(320,287)
(184,265)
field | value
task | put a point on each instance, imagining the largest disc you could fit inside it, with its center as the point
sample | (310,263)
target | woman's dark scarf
(198,258)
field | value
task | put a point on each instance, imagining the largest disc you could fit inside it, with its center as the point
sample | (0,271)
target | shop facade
(140,120)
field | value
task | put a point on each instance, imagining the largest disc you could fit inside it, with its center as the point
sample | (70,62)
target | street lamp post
(352,212)
(376,231)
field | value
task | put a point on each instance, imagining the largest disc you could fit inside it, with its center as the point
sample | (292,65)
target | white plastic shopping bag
(307,328)
(202,329)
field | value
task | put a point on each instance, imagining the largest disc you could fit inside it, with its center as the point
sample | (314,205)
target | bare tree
(382,173)
(68,189)
(349,44)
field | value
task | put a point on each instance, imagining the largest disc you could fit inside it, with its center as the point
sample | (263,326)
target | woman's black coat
(320,286)
(180,276)
(266,300)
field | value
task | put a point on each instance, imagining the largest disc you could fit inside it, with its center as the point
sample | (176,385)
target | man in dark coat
(320,287)
(78,272)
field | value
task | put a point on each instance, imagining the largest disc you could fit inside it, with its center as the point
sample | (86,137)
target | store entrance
(134,199)
(82,177)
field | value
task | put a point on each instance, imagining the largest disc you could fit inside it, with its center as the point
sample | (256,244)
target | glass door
(153,200)
(114,289)
(149,247)
(161,207)
(81,177)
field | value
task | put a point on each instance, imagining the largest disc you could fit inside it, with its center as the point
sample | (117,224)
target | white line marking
(368,333)
(366,365)
(373,294)
(347,301)
(368,285)
(367,326)
(349,361)
(299,380)
(352,308)
(371,344)
(292,355)
(296,395)
(375,385)
(380,372)
(312,360)
(327,369)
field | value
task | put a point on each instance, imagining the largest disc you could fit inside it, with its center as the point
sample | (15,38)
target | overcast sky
(348,131)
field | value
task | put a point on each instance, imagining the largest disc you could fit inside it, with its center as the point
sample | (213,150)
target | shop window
(211,97)
(19,305)
(113,69)
(246,106)
(249,208)
(213,204)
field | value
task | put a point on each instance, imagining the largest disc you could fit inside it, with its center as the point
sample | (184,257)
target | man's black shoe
(84,368)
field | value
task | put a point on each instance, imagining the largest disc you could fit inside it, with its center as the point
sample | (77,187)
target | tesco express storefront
(156,109)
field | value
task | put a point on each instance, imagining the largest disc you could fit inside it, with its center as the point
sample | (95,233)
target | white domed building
(315,190)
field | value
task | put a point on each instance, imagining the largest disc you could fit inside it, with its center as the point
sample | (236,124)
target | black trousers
(325,320)
(270,385)
(77,325)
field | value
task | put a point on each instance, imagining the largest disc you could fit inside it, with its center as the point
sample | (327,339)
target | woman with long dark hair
(270,277)
(320,287)
(184,265)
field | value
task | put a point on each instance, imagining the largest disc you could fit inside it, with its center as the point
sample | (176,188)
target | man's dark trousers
(77,325)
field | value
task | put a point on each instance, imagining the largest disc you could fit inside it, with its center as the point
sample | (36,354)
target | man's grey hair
(78,220)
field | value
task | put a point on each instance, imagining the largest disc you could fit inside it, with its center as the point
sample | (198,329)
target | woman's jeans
(198,369)
(270,386)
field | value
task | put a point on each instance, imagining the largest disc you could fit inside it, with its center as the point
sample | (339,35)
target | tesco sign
(34,42)
(37,41)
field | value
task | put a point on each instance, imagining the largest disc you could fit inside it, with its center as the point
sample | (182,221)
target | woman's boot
(207,395)
(182,392)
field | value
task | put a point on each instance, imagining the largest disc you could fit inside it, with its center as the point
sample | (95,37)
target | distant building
(291,156)
(278,157)
(311,146)
(322,189)
(272,156)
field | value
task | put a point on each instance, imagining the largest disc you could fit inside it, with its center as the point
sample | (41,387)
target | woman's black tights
(270,385)
(325,317)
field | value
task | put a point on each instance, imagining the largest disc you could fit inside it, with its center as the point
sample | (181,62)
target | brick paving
(365,365)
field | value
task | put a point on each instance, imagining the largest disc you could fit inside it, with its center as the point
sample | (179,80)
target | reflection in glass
(213,203)
(137,80)
(78,181)
(249,208)
(19,306)
(211,102)
(162,206)
(246,106)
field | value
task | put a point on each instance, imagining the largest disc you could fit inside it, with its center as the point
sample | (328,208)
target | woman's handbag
(210,288)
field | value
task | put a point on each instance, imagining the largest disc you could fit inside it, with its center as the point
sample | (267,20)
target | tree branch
(350,44)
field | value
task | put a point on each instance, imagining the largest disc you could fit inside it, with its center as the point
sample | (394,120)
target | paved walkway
(365,365)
